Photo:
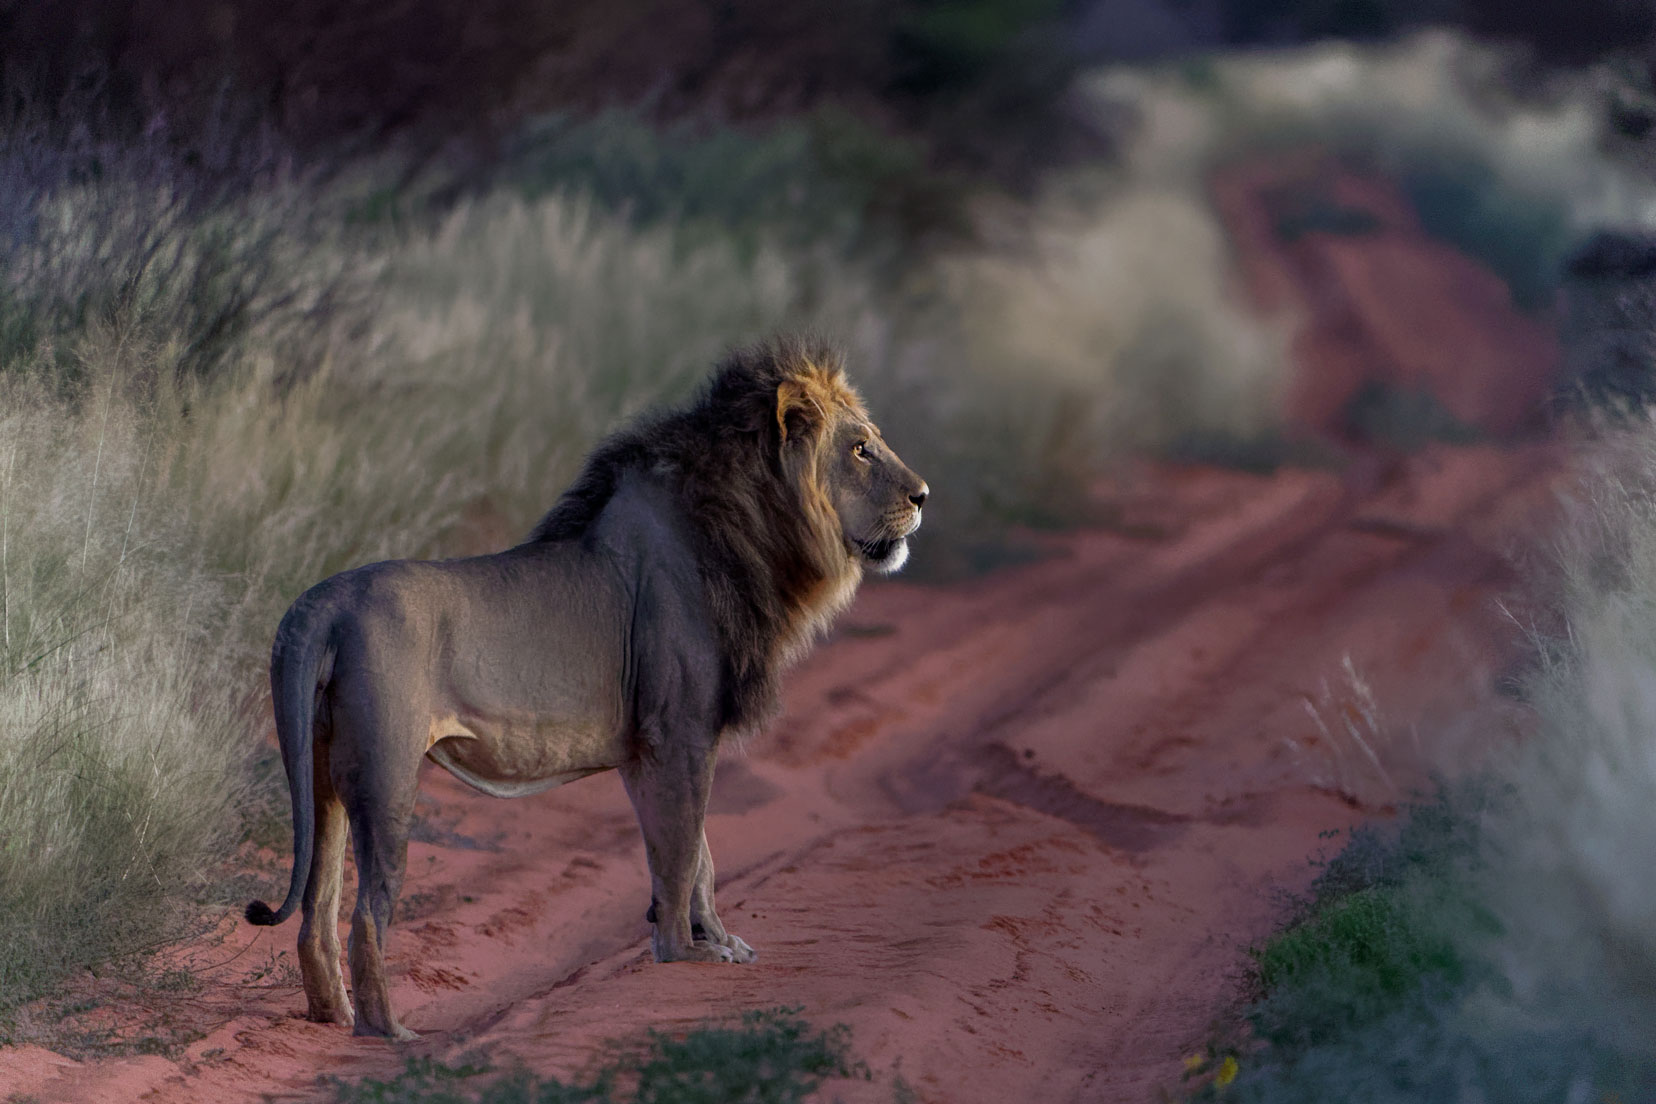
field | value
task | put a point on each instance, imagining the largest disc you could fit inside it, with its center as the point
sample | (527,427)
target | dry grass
(125,722)
(1573,889)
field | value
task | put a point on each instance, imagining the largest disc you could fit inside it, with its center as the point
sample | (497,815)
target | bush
(1388,927)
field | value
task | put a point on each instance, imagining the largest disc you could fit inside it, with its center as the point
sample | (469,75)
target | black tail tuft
(260,913)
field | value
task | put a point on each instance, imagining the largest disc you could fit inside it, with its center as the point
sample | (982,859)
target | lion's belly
(504,759)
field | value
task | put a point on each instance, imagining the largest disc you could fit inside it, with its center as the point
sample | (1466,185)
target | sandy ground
(1017,833)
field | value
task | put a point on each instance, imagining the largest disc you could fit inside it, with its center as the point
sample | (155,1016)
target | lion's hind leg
(319,910)
(704,918)
(378,788)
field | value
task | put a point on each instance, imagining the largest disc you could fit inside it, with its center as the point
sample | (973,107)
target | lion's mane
(767,544)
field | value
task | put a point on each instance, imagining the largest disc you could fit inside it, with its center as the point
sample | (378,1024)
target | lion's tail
(301,664)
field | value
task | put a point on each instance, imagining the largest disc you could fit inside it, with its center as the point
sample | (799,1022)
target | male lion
(648,614)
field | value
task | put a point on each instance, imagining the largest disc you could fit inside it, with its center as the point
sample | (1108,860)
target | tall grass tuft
(1574,893)
(124,722)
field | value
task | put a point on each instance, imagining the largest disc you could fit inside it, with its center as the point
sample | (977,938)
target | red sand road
(1016,833)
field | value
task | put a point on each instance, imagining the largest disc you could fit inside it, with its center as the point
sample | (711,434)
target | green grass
(1388,920)
(1352,961)
(1389,938)
(767,1057)
(1396,980)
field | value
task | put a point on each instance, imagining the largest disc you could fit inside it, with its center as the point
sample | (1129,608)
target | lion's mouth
(888,553)
(885,555)
(877,549)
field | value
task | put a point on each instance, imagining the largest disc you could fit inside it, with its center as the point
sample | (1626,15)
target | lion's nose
(920,496)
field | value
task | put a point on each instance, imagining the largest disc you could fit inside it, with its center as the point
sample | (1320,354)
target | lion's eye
(861,451)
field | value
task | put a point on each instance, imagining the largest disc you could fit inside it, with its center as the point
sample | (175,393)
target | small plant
(768,1057)
(772,1057)
(1389,919)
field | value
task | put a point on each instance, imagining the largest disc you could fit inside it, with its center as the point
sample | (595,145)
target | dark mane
(763,556)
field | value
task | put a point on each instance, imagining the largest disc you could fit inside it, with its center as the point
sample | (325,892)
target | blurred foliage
(1300,20)
(828,177)
(947,43)
(1355,997)
(1407,419)
(1388,922)
(1569,34)
(1522,238)
(1388,984)
(1610,324)
(447,82)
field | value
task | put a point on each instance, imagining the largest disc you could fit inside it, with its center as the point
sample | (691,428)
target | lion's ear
(798,414)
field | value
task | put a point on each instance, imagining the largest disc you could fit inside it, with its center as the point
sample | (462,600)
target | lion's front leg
(704,918)
(671,801)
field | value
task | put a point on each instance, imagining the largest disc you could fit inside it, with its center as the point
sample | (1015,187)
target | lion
(647,617)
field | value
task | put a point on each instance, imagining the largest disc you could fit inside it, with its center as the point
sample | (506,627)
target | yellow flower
(1228,1070)
(1193,1063)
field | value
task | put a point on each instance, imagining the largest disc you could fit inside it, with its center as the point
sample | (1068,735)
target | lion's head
(844,467)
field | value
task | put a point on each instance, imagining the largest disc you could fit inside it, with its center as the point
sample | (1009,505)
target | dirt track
(1016,833)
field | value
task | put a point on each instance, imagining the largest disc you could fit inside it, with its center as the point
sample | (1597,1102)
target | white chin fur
(894,560)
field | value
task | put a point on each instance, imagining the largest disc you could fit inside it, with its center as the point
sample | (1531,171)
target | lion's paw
(397,1033)
(331,1014)
(739,949)
(699,951)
